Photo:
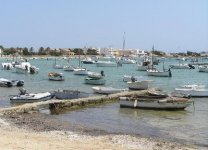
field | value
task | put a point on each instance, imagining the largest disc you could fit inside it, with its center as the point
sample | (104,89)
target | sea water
(190,125)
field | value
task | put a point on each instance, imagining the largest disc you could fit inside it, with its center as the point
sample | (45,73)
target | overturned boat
(155,101)
(24,97)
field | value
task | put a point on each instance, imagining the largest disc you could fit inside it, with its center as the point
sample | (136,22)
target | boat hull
(139,85)
(106,64)
(193,92)
(106,90)
(95,81)
(158,73)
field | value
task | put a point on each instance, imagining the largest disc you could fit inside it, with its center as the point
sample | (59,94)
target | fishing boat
(25,97)
(70,94)
(106,64)
(193,90)
(56,76)
(9,83)
(95,81)
(139,85)
(106,90)
(155,101)
(203,68)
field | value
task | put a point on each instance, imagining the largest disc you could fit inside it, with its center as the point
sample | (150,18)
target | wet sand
(42,131)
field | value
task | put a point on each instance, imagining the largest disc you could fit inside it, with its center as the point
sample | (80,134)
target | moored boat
(128,78)
(70,94)
(203,68)
(68,68)
(139,85)
(95,81)
(81,71)
(193,90)
(157,73)
(106,64)
(149,101)
(56,76)
(9,83)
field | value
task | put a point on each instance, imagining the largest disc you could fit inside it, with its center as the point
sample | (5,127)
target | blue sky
(171,25)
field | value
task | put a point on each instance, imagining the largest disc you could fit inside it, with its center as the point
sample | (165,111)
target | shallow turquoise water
(190,125)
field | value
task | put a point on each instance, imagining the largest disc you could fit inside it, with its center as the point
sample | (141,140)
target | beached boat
(139,85)
(24,97)
(56,76)
(9,83)
(193,90)
(151,101)
(106,90)
(95,81)
(203,68)
(70,94)
(106,64)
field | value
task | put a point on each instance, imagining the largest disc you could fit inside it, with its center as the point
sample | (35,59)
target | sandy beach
(35,131)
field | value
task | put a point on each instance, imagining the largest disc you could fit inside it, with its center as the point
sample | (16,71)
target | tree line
(45,51)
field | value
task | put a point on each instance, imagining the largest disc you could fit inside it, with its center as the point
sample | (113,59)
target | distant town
(24,51)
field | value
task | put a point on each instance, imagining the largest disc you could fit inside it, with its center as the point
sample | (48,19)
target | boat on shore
(193,90)
(25,97)
(56,76)
(106,90)
(69,94)
(155,101)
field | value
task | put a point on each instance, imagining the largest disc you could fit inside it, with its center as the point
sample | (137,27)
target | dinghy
(24,97)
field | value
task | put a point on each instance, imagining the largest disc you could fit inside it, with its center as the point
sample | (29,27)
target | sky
(169,25)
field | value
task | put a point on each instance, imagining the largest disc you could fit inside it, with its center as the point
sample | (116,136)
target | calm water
(190,125)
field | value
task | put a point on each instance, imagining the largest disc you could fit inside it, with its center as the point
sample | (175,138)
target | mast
(152,55)
(124,42)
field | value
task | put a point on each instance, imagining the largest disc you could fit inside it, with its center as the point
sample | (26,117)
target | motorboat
(26,68)
(81,71)
(96,75)
(143,66)
(193,90)
(6,66)
(128,78)
(68,68)
(106,90)
(139,85)
(56,76)
(88,61)
(155,101)
(70,94)
(157,73)
(124,60)
(106,64)
(25,97)
(182,66)
(95,81)
(203,68)
(9,83)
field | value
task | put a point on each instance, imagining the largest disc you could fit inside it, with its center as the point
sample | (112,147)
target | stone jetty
(68,104)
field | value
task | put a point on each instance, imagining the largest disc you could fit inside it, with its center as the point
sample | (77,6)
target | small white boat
(124,60)
(128,78)
(68,68)
(157,73)
(106,90)
(6,66)
(81,71)
(139,85)
(9,83)
(88,61)
(24,97)
(95,81)
(182,66)
(203,68)
(143,66)
(155,102)
(58,66)
(56,76)
(70,94)
(106,64)
(193,90)
(26,68)
(96,75)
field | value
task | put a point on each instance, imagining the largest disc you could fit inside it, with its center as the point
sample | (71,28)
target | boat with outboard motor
(24,97)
